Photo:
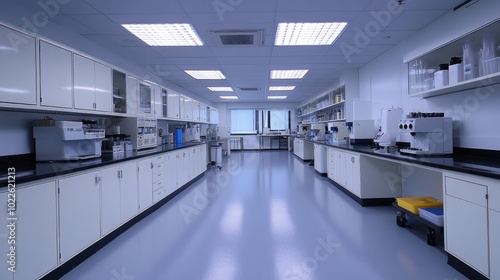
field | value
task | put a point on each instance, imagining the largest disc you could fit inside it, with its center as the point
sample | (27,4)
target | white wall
(385,80)
(17,130)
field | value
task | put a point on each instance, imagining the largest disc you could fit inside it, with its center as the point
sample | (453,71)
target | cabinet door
(84,83)
(145,99)
(353,174)
(188,164)
(202,159)
(196,111)
(340,168)
(56,83)
(4,245)
(467,232)
(171,172)
(36,230)
(129,195)
(157,101)
(173,103)
(181,170)
(214,116)
(18,84)
(494,218)
(79,213)
(110,199)
(145,183)
(132,95)
(103,88)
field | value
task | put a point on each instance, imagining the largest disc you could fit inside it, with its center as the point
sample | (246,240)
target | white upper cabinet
(83,81)
(187,108)
(103,88)
(132,94)
(214,116)
(18,78)
(145,99)
(157,101)
(173,105)
(56,81)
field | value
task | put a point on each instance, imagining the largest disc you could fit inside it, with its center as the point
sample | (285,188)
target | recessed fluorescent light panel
(277,97)
(308,33)
(281,88)
(165,35)
(206,74)
(221,89)
(229,97)
(288,74)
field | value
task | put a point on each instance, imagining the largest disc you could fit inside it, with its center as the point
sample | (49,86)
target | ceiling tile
(136,7)
(321,5)
(241,51)
(71,24)
(187,52)
(100,24)
(149,18)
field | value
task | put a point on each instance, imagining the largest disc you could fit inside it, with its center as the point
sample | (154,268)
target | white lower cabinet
(36,231)
(79,213)
(4,246)
(303,149)
(171,172)
(331,163)
(110,199)
(145,179)
(353,173)
(466,221)
(494,219)
(129,194)
(339,165)
(320,158)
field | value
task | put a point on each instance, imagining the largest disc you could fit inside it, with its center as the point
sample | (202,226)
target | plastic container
(433,215)
(441,78)
(491,66)
(178,135)
(412,204)
(456,74)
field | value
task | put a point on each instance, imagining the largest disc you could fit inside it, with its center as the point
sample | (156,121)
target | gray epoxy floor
(266,215)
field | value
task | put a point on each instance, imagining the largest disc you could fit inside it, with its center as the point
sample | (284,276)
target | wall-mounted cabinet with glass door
(469,62)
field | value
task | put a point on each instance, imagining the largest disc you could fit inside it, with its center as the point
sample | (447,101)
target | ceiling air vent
(238,38)
(249,89)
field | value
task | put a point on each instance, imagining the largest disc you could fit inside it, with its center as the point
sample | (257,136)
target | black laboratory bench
(28,170)
(470,161)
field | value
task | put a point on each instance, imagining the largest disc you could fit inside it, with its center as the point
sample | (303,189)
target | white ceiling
(100,21)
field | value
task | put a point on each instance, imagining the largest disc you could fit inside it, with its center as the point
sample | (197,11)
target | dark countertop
(30,170)
(482,166)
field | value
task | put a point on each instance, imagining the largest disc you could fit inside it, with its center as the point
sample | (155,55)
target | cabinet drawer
(158,185)
(158,176)
(158,194)
(157,160)
(472,192)
(158,167)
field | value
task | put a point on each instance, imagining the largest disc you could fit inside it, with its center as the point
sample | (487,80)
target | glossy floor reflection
(266,215)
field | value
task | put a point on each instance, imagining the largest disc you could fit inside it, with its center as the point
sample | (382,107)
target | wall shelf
(479,54)
(476,83)
(323,109)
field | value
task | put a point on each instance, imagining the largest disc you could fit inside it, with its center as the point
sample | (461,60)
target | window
(279,120)
(244,121)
